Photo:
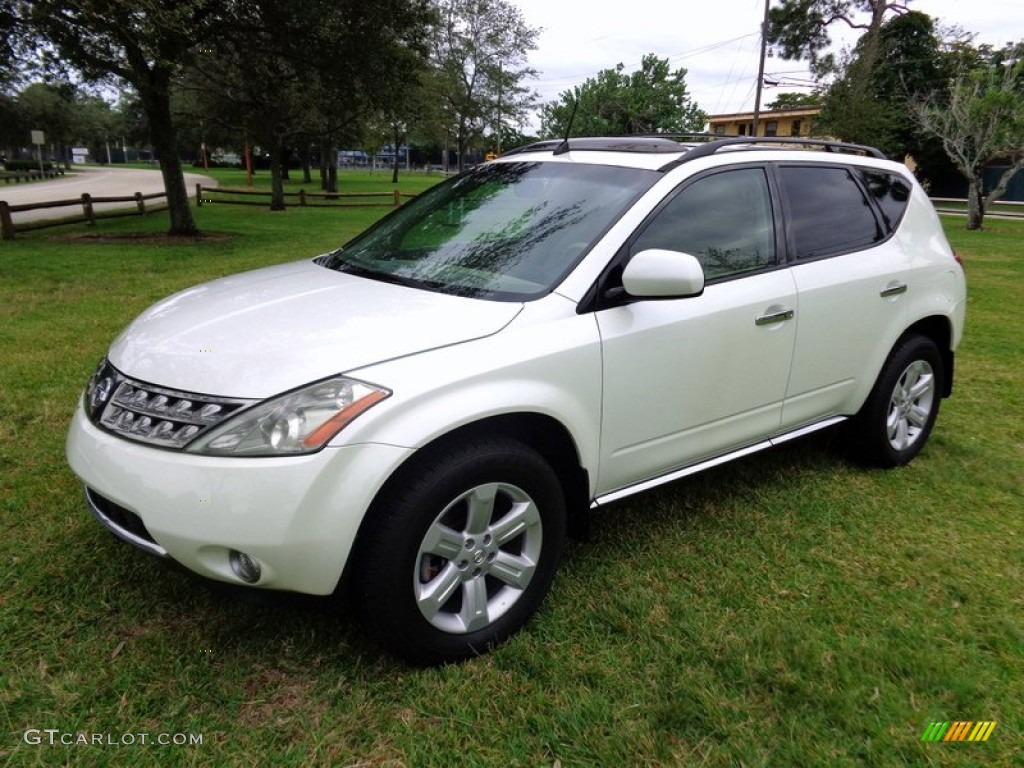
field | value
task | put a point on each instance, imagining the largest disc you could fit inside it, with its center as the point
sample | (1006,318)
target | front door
(687,379)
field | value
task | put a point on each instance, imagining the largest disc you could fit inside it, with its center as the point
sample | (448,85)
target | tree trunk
(156,102)
(460,147)
(331,151)
(975,203)
(248,164)
(304,158)
(276,180)
(394,168)
(325,151)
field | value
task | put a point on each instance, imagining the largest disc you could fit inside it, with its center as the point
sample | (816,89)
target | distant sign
(37,137)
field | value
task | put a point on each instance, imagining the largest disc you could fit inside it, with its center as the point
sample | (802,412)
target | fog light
(246,568)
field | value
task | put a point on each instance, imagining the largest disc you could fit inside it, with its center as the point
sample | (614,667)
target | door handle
(893,289)
(774,314)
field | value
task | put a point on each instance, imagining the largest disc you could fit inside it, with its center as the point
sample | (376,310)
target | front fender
(552,368)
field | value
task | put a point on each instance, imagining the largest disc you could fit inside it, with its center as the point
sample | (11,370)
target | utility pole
(760,67)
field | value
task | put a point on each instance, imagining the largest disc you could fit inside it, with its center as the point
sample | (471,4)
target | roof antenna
(564,146)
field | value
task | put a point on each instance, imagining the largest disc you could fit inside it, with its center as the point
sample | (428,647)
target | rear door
(852,278)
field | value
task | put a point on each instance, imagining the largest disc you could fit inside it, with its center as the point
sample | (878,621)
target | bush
(26,165)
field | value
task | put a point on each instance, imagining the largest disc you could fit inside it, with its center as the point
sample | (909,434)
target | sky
(716,41)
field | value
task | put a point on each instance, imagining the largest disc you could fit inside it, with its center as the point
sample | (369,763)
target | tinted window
(828,211)
(724,220)
(891,191)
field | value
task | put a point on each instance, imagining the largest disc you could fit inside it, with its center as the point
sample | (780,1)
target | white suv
(424,413)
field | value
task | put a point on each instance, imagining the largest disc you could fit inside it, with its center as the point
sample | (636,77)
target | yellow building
(779,122)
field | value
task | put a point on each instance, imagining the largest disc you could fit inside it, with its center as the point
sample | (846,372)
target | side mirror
(659,274)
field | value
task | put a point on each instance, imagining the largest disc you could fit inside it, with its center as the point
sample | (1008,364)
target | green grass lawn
(786,610)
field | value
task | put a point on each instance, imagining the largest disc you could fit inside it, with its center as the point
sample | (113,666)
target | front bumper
(296,515)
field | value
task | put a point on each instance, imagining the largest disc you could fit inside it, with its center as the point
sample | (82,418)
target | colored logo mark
(961,730)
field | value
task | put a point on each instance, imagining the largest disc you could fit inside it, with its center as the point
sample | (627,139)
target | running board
(709,463)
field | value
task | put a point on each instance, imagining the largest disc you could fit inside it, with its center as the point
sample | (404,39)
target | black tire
(505,574)
(898,416)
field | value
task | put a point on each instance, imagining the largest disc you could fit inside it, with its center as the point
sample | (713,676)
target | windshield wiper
(339,265)
(329,259)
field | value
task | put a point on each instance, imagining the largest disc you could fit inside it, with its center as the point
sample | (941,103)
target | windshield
(508,231)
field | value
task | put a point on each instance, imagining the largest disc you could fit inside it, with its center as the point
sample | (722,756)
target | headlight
(100,387)
(302,421)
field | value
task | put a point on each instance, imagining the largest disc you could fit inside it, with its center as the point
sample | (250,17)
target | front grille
(123,523)
(151,414)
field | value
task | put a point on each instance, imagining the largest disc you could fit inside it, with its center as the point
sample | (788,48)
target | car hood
(260,333)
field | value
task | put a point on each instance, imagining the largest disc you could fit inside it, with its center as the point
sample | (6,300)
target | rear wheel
(461,550)
(895,422)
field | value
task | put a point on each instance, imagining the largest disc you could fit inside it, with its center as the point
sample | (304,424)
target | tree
(511,138)
(404,102)
(801,27)
(980,120)
(654,99)
(130,123)
(479,57)
(249,82)
(49,107)
(269,79)
(871,106)
(12,129)
(94,123)
(387,51)
(795,100)
(374,137)
(397,128)
(141,42)
(8,33)
(899,56)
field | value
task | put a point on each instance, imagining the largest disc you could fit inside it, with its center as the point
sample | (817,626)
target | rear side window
(892,193)
(829,213)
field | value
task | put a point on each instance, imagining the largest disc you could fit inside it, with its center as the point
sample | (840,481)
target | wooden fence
(89,215)
(207,195)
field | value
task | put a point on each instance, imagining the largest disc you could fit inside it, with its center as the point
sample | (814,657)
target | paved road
(98,182)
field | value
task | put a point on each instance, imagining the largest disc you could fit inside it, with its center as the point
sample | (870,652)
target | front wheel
(460,550)
(895,422)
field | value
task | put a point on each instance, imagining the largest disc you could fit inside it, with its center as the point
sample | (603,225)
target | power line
(632,67)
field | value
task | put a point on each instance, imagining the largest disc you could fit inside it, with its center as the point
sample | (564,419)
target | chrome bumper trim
(693,469)
(122,533)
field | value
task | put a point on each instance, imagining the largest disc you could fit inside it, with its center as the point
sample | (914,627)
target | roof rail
(709,144)
(751,142)
(656,144)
